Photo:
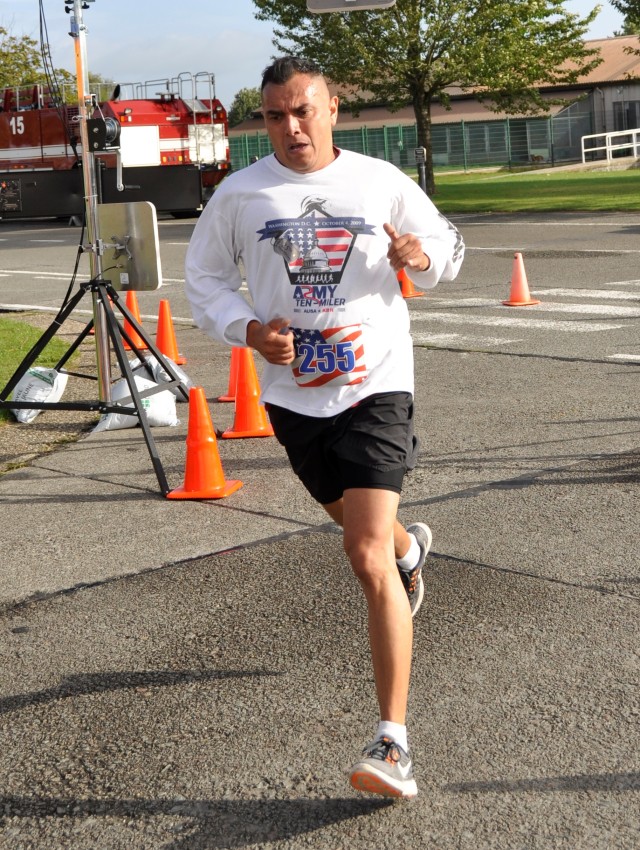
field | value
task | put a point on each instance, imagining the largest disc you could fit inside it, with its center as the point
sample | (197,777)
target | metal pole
(464,146)
(421,166)
(85,108)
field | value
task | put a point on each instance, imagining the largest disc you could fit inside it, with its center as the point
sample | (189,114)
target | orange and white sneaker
(386,769)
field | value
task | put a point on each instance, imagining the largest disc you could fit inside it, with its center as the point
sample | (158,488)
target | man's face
(299,117)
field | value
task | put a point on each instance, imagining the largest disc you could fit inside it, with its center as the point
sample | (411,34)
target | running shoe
(386,769)
(412,579)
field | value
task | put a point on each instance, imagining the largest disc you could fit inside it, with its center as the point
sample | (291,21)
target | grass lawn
(17,339)
(543,191)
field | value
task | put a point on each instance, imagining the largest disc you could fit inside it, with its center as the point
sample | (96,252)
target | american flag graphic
(332,356)
(335,241)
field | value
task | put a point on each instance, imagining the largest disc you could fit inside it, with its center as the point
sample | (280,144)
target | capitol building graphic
(315,260)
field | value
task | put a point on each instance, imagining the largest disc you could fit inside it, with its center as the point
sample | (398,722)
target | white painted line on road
(19,308)
(633,357)
(460,302)
(515,322)
(614,294)
(427,337)
(175,243)
(243,288)
(31,273)
(545,307)
(48,240)
(500,249)
(588,309)
(513,223)
(460,339)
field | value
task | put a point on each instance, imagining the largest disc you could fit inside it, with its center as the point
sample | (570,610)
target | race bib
(329,357)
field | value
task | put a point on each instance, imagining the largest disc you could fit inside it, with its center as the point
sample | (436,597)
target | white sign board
(347,5)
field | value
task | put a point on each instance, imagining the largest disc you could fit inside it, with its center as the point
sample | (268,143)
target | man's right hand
(274,341)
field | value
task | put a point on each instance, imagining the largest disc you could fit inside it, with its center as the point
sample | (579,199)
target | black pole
(421,164)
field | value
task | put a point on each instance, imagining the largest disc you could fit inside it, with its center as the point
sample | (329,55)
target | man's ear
(333,109)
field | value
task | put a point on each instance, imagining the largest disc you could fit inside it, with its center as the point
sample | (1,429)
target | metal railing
(606,144)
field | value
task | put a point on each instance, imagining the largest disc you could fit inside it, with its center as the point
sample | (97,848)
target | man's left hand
(405,251)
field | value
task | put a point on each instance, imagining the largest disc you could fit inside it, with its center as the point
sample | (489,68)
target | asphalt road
(209,685)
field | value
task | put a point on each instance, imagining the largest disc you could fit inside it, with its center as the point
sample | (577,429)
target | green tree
(630,9)
(244,103)
(21,63)
(414,52)
(19,59)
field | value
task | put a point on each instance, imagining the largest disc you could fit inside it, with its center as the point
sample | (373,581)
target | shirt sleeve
(213,279)
(441,240)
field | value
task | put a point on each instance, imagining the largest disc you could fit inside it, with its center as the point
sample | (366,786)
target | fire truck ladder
(196,106)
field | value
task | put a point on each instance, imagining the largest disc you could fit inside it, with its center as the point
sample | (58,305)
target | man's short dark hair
(281,70)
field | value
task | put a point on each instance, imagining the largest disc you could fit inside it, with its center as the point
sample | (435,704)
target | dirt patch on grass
(22,443)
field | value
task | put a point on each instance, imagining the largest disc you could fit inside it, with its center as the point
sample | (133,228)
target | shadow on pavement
(215,824)
(93,683)
(578,782)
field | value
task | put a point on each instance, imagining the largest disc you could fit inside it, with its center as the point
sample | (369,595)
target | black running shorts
(370,445)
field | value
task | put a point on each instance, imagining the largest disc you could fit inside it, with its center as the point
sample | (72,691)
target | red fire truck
(171,135)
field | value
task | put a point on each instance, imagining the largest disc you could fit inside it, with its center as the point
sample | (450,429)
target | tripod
(133,259)
(110,301)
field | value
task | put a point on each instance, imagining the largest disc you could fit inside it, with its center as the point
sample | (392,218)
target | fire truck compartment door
(140,146)
(207,143)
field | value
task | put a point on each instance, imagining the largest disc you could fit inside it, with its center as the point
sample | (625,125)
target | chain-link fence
(509,142)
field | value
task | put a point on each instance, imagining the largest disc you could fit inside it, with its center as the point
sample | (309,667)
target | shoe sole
(365,779)
(427,531)
(420,597)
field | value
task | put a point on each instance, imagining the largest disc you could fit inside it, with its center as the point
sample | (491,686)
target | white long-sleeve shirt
(314,251)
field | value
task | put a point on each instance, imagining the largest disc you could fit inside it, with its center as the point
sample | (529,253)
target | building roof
(463,109)
(618,65)
(466,108)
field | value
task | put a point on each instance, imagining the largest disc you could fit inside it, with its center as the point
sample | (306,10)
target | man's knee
(371,559)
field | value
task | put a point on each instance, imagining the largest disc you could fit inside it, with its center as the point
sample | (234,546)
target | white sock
(410,560)
(396,731)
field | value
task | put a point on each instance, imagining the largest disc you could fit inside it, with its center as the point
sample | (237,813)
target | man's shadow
(206,824)
(94,683)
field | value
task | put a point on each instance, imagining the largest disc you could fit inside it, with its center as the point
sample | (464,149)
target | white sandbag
(160,374)
(38,384)
(159,408)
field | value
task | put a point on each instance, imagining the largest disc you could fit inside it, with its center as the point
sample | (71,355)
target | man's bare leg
(401,540)
(368,520)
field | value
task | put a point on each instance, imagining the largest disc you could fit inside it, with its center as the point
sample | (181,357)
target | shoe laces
(384,749)
(411,579)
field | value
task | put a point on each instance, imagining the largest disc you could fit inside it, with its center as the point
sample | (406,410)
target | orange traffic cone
(251,417)
(203,478)
(132,304)
(406,285)
(519,295)
(165,335)
(233,377)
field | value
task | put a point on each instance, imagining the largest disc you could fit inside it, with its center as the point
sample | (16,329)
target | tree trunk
(422,110)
